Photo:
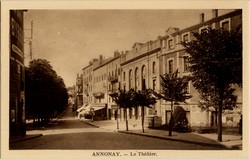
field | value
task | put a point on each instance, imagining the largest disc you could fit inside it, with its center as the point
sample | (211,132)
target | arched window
(130,79)
(143,77)
(124,76)
(154,67)
(137,78)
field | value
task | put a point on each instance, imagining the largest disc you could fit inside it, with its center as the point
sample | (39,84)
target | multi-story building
(141,67)
(79,90)
(140,70)
(17,73)
(113,85)
(174,56)
(88,83)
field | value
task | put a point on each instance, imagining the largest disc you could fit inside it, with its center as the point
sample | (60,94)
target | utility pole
(29,41)
(31,37)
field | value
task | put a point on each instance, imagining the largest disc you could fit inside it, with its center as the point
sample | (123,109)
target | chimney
(214,13)
(116,53)
(202,17)
(100,58)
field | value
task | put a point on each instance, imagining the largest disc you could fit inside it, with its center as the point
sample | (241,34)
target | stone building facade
(17,75)
(141,67)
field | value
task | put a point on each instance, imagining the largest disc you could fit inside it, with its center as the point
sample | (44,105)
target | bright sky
(69,39)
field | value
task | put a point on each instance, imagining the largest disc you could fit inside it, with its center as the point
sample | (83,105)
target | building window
(186,90)
(143,77)
(130,79)
(170,66)
(136,79)
(154,68)
(154,84)
(203,29)
(186,37)
(171,44)
(185,63)
(163,43)
(225,24)
(124,76)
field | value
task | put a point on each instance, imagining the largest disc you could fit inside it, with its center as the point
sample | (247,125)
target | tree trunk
(171,120)
(117,118)
(216,117)
(142,119)
(220,115)
(126,116)
(220,124)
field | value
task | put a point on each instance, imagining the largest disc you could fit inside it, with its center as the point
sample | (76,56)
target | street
(69,133)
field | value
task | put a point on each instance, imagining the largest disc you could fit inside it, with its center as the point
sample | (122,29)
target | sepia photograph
(124,80)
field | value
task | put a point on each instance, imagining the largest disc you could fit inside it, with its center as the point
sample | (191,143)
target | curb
(90,124)
(218,145)
(180,140)
(25,138)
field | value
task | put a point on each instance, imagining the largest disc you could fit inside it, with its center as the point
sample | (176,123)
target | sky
(69,39)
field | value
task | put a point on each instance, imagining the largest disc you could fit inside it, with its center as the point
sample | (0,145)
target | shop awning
(80,109)
(84,108)
(98,106)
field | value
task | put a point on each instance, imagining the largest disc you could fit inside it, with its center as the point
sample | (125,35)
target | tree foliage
(216,65)
(173,91)
(215,58)
(46,94)
(173,87)
(124,99)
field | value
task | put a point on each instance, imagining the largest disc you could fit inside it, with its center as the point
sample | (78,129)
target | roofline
(107,62)
(140,56)
(210,21)
(87,66)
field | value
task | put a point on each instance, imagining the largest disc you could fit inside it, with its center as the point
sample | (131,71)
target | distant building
(79,90)
(17,75)
(88,83)
(113,84)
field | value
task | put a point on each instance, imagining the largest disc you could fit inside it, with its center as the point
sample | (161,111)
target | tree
(216,65)
(144,98)
(211,100)
(173,91)
(125,100)
(180,120)
(46,94)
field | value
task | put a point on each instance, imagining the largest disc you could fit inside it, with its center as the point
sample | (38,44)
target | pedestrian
(92,111)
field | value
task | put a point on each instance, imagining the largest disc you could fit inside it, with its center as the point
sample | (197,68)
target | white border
(203,4)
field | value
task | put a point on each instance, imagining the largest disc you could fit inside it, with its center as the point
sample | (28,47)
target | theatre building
(17,72)
(140,68)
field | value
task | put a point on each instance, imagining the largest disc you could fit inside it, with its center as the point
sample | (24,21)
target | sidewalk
(32,135)
(229,141)
(23,138)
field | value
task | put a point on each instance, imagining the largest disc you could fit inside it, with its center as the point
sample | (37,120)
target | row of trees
(172,91)
(133,99)
(215,63)
(46,94)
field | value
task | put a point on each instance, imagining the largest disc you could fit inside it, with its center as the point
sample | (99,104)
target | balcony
(113,79)
(98,95)
(113,91)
